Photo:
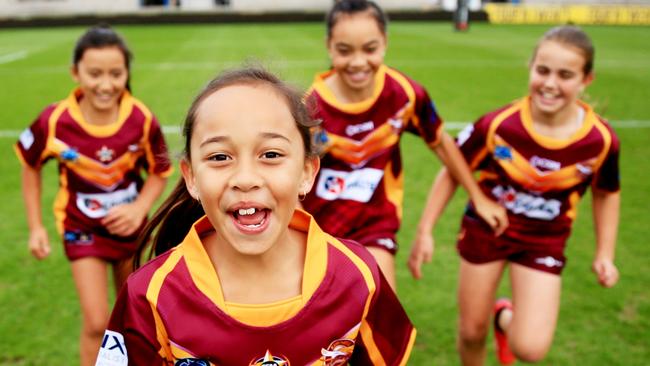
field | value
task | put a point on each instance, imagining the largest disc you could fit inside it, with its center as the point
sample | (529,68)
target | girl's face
(102,75)
(356,48)
(556,77)
(248,166)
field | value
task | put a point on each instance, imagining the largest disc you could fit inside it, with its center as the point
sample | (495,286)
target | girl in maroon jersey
(249,279)
(537,157)
(365,107)
(102,138)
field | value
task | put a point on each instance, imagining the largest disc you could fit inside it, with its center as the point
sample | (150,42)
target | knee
(529,352)
(473,332)
(94,325)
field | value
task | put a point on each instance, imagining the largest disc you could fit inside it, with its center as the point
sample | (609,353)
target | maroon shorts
(79,244)
(384,241)
(477,244)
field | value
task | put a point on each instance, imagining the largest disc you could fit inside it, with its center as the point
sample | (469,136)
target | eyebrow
(265,135)
(215,139)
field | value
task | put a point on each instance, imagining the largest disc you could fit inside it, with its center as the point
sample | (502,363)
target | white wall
(24,8)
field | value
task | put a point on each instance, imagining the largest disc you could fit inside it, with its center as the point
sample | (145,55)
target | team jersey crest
(270,360)
(338,352)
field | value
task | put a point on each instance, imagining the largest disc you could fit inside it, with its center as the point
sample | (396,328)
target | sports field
(467,74)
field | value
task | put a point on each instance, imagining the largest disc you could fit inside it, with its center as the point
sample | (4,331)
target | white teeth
(246,211)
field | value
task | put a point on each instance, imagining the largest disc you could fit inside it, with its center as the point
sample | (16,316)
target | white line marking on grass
(11,57)
(451,125)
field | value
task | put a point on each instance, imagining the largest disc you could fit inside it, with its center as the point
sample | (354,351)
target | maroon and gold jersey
(359,189)
(172,312)
(539,179)
(99,167)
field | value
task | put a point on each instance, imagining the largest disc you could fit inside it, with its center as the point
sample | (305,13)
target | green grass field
(467,74)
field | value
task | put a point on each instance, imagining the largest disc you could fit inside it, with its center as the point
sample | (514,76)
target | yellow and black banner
(560,14)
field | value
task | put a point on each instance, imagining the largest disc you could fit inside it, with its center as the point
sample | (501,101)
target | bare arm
(38,242)
(606,209)
(494,214)
(442,190)
(125,219)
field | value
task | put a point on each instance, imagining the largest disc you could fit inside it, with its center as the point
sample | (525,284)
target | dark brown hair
(100,36)
(173,220)
(572,36)
(352,7)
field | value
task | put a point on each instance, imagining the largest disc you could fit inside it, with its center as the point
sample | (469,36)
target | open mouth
(250,219)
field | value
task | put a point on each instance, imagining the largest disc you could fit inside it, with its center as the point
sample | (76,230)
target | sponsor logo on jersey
(465,134)
(352,130)
(543,165)
(70,155)
(584,169)
(549,262)
(105,154)
(502,152)
(526,204)
(358,185)
(191,362)
(96,205)
(26,139)
(337,353)
(270,360)
(387,243)
(77,237)
(112,351)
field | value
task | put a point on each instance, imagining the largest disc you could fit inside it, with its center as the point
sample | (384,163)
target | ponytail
(169,225)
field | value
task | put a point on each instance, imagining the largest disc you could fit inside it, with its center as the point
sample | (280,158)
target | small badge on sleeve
(113,350)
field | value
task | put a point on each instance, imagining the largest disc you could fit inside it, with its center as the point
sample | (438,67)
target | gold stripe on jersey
(574,198)
(520,170)
(365,329)
(61,201)
(353,108)
(355,152)
(409,348)
(153,291)
(549,142)
(21,159)
(125,108)
(145,137)
(51,129)
(607,141)
(106,176)
(393,186)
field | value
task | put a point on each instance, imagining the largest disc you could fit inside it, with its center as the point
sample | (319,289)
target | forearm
(442,190)
(31,184)
(453,159)
(151,190)
(606,208)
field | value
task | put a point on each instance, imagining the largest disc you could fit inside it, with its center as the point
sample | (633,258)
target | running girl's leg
(90,275)
(476,288)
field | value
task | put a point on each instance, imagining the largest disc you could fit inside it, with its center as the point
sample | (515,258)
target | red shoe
(501,339)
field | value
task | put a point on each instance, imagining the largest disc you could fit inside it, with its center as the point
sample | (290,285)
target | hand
(421,252)
(606,271)
(39,245)
(124,220)
(493,213)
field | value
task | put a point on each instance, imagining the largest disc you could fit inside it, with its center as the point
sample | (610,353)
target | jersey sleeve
(32,142)
(608,177)
(426,122)
(386,333)
(157,154)
(472,142)
(130,338)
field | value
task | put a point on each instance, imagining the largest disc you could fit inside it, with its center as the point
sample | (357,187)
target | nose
(550,80)
(246,176)
(358,59)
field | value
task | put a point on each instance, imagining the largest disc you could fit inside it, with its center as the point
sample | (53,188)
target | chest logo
(502,152)
(191,362)
(338,352)
(270,360)
(352,130)
(105,154)
(543,165)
